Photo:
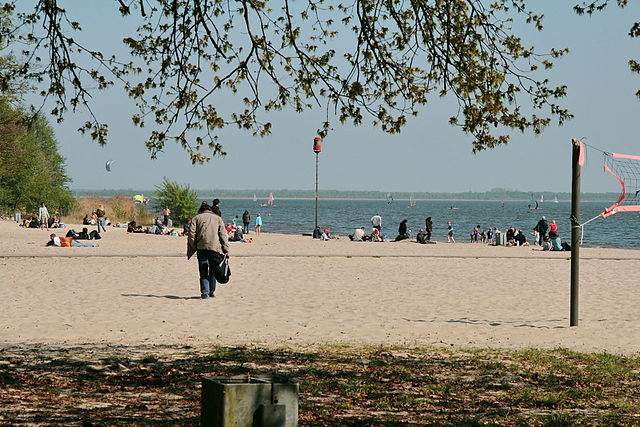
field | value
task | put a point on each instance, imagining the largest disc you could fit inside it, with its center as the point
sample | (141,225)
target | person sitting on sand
(402,231)
(376,222)
(421,237)
(553,230)
(86,220)
(520,239)
(358,235)
(326,233)
(556,243)
(546,244)
(84,234)
(375,235)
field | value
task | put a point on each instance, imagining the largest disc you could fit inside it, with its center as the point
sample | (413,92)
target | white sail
(270,199)
(255,198)
(412,202)
(555,199)
(542,198)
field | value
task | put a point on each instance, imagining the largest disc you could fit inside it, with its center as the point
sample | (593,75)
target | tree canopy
(31,168)
(188,55)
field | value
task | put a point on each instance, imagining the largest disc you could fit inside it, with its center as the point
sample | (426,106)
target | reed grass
(118,208)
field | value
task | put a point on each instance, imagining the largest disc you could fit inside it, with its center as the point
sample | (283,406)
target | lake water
(295,216)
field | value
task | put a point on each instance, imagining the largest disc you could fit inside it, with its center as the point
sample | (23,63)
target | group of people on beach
(40,220)
(545,234)
(423,236)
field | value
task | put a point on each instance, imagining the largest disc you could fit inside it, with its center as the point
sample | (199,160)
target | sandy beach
(292,291)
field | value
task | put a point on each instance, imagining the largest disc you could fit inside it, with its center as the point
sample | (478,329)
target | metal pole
(575,231)
(316,226)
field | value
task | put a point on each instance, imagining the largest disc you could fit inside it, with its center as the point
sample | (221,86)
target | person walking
(207,237)
(450,238)
(246,220)
(428,228)
(101,218)
(258,224)
(43,216)
(542,227)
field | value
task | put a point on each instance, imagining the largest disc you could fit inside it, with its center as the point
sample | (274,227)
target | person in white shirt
(43,216)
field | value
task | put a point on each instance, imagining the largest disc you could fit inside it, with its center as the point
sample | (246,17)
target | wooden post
(575,231)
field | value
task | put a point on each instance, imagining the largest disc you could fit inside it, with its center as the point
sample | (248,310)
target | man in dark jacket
(246,220)
(542,227)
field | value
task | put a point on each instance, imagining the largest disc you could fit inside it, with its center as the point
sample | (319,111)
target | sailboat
(412,202)
(389,198)
(542,198)
(555,199)
(270,200)
(255,198)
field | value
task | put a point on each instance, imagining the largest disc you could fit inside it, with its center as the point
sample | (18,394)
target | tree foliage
(188,56)
(180,199)
(31,168)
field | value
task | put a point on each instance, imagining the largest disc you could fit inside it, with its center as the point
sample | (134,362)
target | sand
(292,291)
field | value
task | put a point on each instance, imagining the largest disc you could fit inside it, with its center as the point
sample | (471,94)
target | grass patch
(338,385)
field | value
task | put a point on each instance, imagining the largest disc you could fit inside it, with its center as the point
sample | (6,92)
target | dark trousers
(207,279)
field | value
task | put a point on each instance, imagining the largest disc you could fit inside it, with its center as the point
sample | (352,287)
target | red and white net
(625,168)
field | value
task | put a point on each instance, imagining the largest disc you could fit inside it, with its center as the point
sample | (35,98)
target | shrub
(180,199)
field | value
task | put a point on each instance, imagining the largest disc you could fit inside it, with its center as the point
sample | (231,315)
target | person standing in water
(450,238)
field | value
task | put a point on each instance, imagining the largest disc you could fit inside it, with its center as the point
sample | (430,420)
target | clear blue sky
(429,155)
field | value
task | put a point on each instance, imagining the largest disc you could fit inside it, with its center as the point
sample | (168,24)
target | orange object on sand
(65,242)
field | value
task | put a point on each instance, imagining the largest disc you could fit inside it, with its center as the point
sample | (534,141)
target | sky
(428,155)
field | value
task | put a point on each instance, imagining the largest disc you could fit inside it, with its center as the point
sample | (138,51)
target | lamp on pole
(317,148)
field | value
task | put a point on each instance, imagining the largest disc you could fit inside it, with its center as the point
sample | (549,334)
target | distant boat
(412,202)
(542,198)
(255,198)
(555,199)
(270,200)
(389,198)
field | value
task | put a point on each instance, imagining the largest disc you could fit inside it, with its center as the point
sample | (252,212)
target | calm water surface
(343,216)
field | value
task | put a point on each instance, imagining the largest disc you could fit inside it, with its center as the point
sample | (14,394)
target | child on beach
(258,224)
(450,238)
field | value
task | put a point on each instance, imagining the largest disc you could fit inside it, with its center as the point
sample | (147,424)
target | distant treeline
(494,194)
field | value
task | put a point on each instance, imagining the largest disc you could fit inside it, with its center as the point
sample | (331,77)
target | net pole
(575,232)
